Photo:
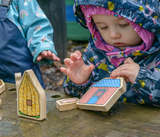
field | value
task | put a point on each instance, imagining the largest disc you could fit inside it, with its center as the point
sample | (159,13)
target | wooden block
(67,104)
(31,98)
(102,95)
(2,86)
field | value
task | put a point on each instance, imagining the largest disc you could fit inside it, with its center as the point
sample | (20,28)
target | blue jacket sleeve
(36,27)
(147,85)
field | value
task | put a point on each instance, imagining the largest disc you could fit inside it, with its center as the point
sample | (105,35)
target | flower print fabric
(144,16)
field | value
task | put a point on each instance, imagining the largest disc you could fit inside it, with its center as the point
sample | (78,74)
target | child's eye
(123,25)
(102,28)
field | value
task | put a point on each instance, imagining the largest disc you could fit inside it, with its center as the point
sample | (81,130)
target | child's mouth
(118,44)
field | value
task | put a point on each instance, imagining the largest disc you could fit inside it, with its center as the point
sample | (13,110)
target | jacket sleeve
(79,90)
(147,84)
(37,29)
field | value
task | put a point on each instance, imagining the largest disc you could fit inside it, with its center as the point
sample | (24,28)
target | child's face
(116,31)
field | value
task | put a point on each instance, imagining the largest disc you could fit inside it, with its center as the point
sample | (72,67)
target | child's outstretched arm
(38,32)
(77,70)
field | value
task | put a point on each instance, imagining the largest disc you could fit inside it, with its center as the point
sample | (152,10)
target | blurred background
(68,37)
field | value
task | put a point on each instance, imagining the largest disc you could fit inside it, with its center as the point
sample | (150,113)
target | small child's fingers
(58,59)
(44,53)
(128,61)
(74,56)
(79,53)
(54,57)
(91,68)
(39,58)
(63,70)
(122,73)
(68,62)
(113,74)
(49,53)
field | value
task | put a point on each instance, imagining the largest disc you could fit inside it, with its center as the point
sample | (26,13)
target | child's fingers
(58,59)
(63,70)
(54,57)
(128,61)
(123,67)
(126,74)
(71,65)
(74,56)
(39,58)
(49,53)
(68,62)
(44,53)
(90,68)
(79,53)
(118,74)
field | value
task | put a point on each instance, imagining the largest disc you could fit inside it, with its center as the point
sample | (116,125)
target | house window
(29,102)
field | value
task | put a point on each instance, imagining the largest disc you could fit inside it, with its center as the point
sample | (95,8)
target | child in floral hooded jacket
(125,41)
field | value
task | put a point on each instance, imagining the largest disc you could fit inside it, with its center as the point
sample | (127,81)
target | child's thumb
(128,61)
(91,68)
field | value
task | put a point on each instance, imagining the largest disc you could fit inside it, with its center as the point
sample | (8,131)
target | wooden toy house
(31,98)
(102,95)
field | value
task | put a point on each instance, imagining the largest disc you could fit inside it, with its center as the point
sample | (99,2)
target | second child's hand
(48,55)
(77,70)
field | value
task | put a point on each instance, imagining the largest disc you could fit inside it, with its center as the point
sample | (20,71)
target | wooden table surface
(123,120)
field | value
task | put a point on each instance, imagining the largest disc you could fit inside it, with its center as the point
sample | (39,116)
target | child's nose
(114,34)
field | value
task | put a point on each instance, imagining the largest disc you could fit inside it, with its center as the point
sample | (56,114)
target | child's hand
(47,54)
(76,69)
(129,69)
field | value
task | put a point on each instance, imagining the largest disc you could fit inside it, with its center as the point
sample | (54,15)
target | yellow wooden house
(31,98)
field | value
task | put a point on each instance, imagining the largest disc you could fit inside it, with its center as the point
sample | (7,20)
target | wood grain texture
(67,104)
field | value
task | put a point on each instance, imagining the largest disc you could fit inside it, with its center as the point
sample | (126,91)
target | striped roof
(108,83)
